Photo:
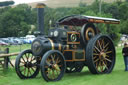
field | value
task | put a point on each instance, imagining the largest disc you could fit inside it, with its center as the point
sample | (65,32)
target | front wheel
(52,65)
(26,65)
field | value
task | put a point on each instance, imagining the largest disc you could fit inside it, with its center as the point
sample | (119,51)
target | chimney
(40,17)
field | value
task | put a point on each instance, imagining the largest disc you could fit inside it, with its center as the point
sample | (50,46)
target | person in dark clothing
(125,54)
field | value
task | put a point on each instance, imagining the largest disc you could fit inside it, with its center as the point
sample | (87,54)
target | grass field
(117,77)
(16,48)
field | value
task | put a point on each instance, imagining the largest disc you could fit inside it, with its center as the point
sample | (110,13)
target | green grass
(16,48)
(117,77)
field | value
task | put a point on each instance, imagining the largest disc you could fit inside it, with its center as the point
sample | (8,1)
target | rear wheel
(52,65)
(100,54)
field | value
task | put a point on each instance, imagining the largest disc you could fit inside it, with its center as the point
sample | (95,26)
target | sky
(23,1)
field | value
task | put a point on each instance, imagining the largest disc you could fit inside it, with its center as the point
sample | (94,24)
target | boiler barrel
(41,45)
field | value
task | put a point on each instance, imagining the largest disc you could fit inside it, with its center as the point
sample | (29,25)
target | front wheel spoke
(57,60)
(34,66)
(57,72)
(46,66)
(23,59)
(24,70)
(26,57)
(22,62)
(28,72)
(48,63)
(32,58)
(58,69)
(53,73)
(49,73)
(33,69)
(53,59)
(22,66)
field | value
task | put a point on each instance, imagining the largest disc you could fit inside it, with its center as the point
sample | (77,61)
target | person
(125,55)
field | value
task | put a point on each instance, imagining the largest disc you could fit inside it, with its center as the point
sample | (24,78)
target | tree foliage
(16,21)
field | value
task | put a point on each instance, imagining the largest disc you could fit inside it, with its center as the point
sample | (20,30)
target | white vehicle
(30,38)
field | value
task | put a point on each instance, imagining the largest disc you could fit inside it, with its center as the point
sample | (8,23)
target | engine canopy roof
(80,20)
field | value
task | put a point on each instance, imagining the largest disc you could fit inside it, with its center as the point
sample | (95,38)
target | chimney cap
(40,5)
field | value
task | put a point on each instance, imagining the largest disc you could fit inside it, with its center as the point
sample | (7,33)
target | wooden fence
(5,58)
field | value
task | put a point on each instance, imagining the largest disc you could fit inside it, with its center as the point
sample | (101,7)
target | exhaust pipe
(40,17)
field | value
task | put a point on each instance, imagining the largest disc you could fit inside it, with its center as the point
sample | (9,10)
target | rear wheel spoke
(97,49)
(96,60)
(105,65)
(106,45)
(99,45)
(102,43)
(108,59)
(108,52)
(94,57)
(95,54)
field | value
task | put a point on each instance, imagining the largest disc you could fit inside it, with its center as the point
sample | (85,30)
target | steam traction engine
(66,49)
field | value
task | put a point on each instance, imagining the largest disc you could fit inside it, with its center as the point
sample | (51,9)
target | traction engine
(75,42)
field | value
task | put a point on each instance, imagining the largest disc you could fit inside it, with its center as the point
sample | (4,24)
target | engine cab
(70,42)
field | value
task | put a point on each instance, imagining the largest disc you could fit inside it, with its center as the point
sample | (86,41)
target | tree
(16,21)
(113,9)
(123,11)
